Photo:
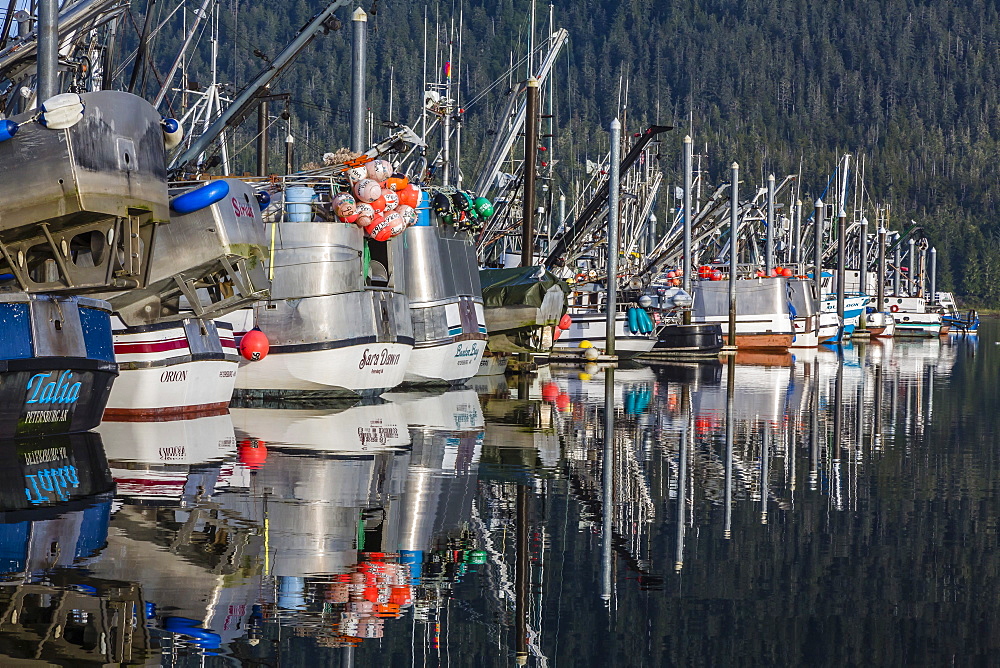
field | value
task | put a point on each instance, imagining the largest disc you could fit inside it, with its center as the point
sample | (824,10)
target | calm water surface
(830,507)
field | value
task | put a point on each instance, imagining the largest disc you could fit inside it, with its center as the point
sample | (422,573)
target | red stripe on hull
(157,347)
(165,414)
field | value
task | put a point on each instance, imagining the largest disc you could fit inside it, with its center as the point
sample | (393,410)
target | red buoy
(252,453)
(562,401)
(565,321)
(550,391)
(787,273)
(254,345)
(704,271)
(716,275)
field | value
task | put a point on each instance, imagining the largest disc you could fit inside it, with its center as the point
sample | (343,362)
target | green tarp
(520,286)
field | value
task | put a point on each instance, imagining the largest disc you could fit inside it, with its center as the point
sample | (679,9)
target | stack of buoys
(380,201)
(704,272)
(639,321)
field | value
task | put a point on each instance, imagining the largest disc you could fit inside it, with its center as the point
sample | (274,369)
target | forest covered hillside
(910,86)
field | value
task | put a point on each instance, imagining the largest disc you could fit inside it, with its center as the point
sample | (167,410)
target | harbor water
(836,506)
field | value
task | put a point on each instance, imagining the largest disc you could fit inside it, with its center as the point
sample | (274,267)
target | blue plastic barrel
(291,592)
(298,204)
(415,560)
(423,211)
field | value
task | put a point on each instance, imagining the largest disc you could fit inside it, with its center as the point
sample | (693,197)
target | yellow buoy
(586,344)
(584,376)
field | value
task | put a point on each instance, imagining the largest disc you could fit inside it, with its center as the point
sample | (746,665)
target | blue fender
(199,198)
(633,320)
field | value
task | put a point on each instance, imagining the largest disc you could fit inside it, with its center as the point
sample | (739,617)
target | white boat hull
(185,368)
(806,332)
(593,327)
(450,362)
(881,325)
(362,369)
(494,364)
(354,430)
(152,459)
(829,326)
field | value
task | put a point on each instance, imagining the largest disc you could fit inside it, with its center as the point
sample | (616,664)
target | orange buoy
(254,345)
(410,195)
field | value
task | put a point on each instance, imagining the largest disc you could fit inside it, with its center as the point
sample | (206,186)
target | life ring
(894,308)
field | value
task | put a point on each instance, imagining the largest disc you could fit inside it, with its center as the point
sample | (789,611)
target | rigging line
(253,139)
(152,34)
(496,82)
(149,46)
(148,65)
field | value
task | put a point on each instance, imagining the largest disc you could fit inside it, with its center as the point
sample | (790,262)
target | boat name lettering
(44,456)
(471,351)
(173,376)
(377,435)
(378,358)
(50,485)
(227,374)
(60,391)
(242,210)
(173,452)
(37,417)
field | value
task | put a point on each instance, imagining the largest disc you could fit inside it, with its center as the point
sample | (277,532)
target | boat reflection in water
(506,526)
(55,504)
(170,462)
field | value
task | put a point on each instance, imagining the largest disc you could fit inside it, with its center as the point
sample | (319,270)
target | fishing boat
(880,324)
(176,357)
(591,325)
(446,303)
(913,318)
(854,307)
(82,200)
(674,338)
(951,316)
(338,321)
(763,320)
(522,307)
(805,320)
